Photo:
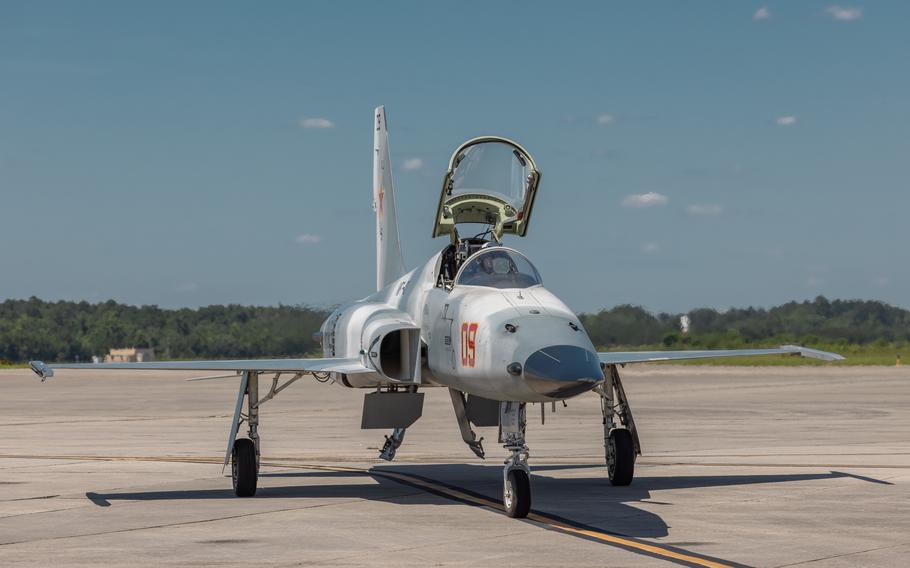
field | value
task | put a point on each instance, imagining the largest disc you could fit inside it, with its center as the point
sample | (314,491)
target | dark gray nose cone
(561,371)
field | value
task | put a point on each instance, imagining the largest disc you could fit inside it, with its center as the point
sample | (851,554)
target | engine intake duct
(398,355)
(395,348)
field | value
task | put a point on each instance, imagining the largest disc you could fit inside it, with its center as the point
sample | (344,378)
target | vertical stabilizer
(389,262)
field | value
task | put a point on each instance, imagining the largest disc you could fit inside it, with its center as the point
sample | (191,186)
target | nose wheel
(517,493)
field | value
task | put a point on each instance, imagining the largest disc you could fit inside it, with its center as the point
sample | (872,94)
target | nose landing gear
(516,475)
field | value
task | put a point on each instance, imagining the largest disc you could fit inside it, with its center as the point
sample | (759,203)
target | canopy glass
(491,181)
(497,267)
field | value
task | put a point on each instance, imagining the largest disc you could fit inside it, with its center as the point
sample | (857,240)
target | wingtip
(814,353)
(41,369)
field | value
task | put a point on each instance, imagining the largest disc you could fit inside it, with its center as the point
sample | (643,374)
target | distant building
(130,355)
(684,324)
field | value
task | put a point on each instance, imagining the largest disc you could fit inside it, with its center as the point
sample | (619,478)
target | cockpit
(498,267)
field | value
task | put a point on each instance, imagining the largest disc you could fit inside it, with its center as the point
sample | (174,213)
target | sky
(693,154)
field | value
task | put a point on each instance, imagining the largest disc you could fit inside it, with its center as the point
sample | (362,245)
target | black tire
(244,470)
(621,468)
(517,494)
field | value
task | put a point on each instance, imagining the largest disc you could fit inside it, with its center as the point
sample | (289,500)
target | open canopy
(490,180)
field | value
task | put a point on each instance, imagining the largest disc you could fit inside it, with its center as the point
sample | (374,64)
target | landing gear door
(491,181)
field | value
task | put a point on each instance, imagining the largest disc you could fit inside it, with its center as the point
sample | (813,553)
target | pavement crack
(29,498)
(196,522)
(16,515)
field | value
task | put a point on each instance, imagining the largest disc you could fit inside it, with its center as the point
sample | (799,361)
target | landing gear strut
(516,475)
(621,445)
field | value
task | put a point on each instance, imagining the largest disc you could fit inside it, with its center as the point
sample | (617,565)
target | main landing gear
(621,445)
(516,475)
(243,453)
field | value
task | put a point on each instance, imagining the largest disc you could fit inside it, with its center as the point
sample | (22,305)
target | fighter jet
(475,319)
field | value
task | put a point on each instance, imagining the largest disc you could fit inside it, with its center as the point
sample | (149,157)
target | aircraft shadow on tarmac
(589,501)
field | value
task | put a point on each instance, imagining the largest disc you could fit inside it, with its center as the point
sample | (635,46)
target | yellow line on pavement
(434,487)
(543,519)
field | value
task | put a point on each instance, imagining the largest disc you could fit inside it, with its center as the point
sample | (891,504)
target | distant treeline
(829,322)
(69,331)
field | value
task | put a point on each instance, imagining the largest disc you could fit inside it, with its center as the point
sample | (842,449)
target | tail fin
(389,262)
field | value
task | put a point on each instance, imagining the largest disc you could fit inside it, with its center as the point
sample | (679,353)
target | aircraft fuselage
(513,344)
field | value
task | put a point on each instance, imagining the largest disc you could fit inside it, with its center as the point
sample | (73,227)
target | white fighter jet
(475,319)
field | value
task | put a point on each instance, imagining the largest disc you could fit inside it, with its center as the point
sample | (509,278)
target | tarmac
(762,466)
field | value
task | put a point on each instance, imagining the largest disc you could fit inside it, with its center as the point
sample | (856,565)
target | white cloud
(843,13)
(308,239)
(412,164)
(762,13)
(650,247)
(788,120)
(882,281)
(705,209)
(814,282)
(316,122)
(605,119)
(649,199)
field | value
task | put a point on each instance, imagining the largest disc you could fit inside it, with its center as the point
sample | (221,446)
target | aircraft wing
(330,364)
(623,357)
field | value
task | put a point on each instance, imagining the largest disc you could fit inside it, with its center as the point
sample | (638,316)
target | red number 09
(468,350)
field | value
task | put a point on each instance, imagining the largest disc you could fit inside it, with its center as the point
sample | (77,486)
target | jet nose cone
(561,371)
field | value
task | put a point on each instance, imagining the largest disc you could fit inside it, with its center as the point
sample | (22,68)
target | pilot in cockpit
(495,269)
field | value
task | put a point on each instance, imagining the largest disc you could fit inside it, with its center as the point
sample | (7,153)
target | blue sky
(693,153)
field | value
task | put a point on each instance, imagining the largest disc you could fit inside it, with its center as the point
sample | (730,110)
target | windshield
(498,268)
(492,168)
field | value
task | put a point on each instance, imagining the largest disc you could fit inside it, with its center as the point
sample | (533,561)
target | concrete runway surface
(741,466)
